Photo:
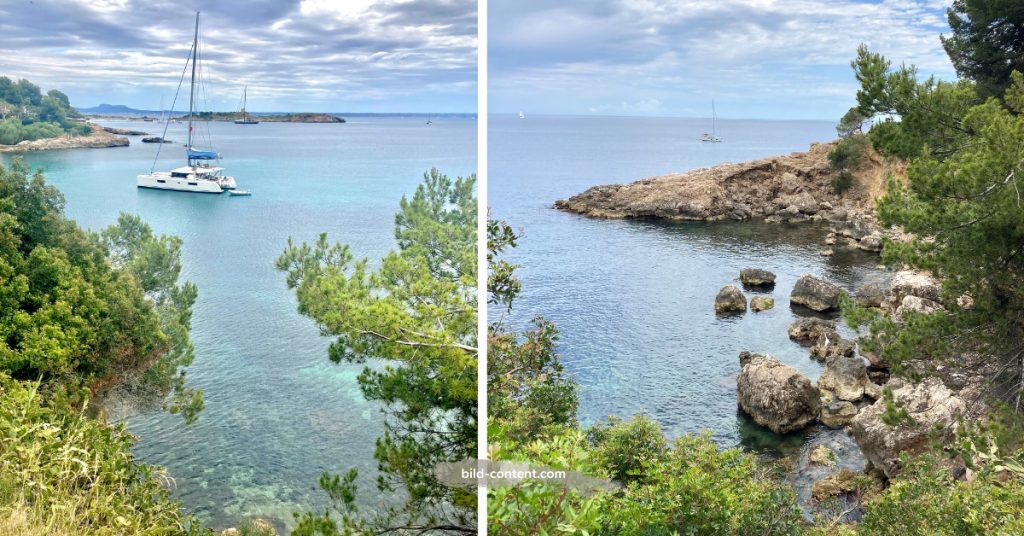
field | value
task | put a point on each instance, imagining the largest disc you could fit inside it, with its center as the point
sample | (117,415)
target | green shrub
(626,448)
(842,182)
(927,500)
(64,474)
(848,153)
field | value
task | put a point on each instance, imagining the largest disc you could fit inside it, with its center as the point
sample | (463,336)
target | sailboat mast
(192,91)
(245,93)
(714,118)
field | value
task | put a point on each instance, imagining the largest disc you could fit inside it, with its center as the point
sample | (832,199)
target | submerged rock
(807,330)
(930,407)
(730,300)
(815,294)
(761,303)
(822,455)
(834,485)
(775,395)
(756,277)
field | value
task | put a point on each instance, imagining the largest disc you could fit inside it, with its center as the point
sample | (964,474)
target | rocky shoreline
(99,138)
(847,403)
(793,188)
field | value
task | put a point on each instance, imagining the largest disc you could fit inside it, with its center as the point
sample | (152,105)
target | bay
(278,412)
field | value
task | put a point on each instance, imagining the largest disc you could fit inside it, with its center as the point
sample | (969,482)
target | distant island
(303,117)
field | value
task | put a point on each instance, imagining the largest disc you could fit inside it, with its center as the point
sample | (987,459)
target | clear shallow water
(278,413)
(634,299)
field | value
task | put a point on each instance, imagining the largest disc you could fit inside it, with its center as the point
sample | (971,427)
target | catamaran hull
(164,182)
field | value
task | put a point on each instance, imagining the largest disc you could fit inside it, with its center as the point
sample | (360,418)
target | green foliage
(845,157)
(64,474)
(76,314)
(417,312)
(627,448)
(930,113)
(27,114)
(692,487)
(851,123)
(986,42)
(842,182)
(926,500)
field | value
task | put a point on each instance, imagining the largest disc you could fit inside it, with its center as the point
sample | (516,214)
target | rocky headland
(785,189)
(98,138)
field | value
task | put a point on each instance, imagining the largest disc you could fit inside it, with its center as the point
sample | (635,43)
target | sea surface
(278,412)
(634,299)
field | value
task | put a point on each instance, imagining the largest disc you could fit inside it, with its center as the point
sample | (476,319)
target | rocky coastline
(99,138)
(793,188)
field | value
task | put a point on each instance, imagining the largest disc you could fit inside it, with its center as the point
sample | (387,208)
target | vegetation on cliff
(416,313)
(79,313)
(27,114)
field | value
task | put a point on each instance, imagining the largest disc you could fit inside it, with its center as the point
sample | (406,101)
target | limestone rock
(870,295)
(807,330)
(775,395)
(916,304)
(830,344)
(930,406)
(834,485)
(730,300)
(815,294)
(761,303)
(757,277)
(846,376)
(838,413)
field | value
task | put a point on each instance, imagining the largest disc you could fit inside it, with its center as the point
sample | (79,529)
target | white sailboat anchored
(245,120)
(199,175)
(714,119)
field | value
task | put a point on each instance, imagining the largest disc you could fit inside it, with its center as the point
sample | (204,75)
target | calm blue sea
(634,299)
(278,413)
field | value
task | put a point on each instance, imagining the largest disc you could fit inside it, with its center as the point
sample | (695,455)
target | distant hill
(114,109)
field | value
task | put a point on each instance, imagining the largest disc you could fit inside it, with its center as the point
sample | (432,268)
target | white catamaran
(199,175)
(714,119)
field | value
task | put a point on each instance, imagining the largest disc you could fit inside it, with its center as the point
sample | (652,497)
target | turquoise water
(634,299)
(278,413)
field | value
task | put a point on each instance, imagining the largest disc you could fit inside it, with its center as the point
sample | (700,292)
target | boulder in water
(761,303)
(870,295)
(830,344)
(777,396)
(807,330)
(757,277)
(815,294)
(730,300)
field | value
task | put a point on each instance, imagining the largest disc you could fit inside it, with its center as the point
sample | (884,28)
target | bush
(848,153)
(926,499)
(62,473)
(842,182)
(626,448)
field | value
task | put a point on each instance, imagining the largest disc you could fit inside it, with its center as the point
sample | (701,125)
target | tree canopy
(987,43)
(27,114)
(413,320)
(83,310)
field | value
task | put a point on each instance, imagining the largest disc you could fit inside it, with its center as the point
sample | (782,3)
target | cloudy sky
(295,55)
(756,58)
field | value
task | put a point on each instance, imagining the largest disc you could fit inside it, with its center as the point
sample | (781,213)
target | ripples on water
(278,413)
(634,299)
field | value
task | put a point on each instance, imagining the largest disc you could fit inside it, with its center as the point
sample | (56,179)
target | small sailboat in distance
(245,120)
(714,118)
(521,116)
(199,175)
